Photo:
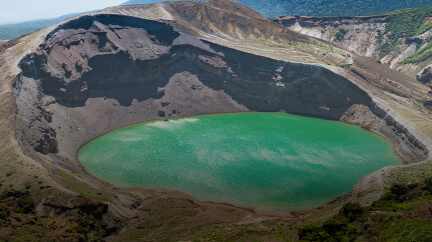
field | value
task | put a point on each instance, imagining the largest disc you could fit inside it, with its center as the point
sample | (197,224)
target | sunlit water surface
(268,161)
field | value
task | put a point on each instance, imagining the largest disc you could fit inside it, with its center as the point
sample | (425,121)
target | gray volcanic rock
(99,52)
(425,75)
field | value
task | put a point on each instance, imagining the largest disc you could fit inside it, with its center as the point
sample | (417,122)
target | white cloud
(23,10)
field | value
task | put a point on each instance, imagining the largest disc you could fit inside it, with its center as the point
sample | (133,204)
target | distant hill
(275,8)
(268,8)
(12,31)
(350,7)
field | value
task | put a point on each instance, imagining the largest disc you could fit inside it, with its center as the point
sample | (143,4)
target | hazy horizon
(27,10)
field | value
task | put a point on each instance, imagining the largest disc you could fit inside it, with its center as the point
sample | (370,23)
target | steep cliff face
(425,75)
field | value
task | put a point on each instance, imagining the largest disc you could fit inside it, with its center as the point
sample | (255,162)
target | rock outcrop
(425,75)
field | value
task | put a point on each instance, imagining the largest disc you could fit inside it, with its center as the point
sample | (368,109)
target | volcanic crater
(102,71)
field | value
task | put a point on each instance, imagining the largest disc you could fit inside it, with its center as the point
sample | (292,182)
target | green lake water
(268,161)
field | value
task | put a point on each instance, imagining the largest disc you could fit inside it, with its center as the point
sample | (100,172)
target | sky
(23,10)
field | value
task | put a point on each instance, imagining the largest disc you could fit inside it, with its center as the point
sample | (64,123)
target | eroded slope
(400,40)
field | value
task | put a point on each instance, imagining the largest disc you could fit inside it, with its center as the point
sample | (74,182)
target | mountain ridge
(268,8)
(319,8)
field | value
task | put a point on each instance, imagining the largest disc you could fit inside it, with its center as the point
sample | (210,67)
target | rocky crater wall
(360,34)
(366,36)
(102,72)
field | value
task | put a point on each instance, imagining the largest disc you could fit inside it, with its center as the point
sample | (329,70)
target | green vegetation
(421,53)
(337,228)
(386,48)
(392,218)
(10,173)
(379,36)
(340,33)
(408,23)
(405,24)
(428,184)
(426,25)
(19,222)
(70,182)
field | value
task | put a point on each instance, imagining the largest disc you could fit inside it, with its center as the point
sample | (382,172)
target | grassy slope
(406,24)
(402,214)
(351,7)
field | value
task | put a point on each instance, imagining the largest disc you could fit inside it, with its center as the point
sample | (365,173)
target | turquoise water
(268,161)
